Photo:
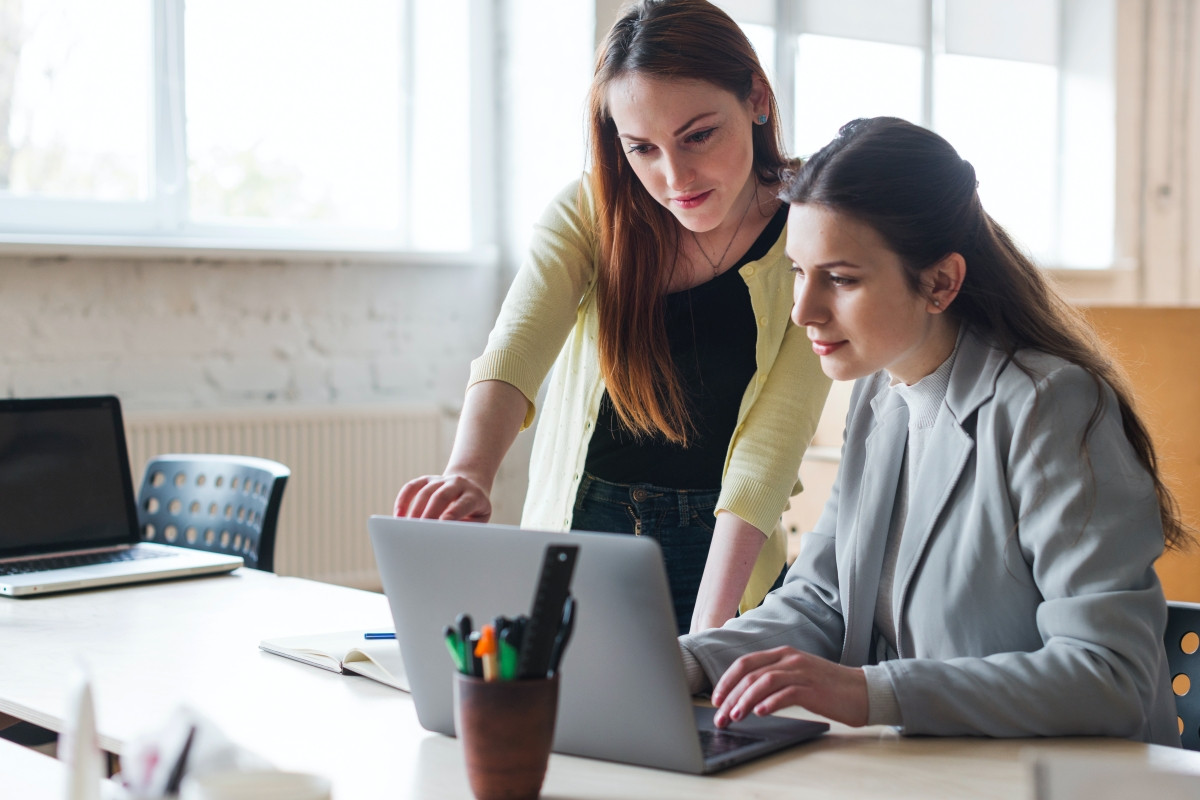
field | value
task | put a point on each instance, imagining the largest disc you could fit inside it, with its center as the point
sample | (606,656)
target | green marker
(508,657)
(455,648)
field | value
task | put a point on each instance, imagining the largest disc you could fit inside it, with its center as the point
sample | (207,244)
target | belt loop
(585,484)
(684,514)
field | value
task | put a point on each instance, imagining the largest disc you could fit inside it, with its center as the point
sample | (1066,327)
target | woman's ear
(759,99)
(942,282)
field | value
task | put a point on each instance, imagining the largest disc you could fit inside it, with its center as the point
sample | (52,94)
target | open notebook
(344,651)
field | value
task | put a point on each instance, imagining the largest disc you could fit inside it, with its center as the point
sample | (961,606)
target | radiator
(346,465)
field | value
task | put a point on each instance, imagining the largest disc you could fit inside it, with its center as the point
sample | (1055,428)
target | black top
(712,334)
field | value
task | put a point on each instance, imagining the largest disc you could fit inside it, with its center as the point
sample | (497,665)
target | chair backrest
(1183,657)
(225,503)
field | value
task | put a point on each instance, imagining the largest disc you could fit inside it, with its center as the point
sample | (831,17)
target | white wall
(170,334)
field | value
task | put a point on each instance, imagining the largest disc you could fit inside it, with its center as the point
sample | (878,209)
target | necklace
(716,265)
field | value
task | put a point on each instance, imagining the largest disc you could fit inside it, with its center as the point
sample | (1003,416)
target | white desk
(26,774)
(152,647)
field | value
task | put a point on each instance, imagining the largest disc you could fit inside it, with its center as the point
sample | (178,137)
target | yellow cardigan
(549,319)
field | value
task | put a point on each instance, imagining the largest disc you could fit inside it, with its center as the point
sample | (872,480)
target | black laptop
(68,518)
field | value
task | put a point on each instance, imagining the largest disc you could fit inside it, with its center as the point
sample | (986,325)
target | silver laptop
(623,693)
(68,518)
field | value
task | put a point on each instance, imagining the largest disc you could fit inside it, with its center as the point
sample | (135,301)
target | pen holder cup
(506,729)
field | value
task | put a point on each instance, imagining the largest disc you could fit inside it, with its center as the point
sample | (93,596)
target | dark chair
(1183,657)
(225,503)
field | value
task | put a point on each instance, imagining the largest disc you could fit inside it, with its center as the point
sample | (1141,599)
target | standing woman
(681,399)
(985,563)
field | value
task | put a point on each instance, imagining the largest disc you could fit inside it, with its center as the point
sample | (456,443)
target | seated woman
(985,562)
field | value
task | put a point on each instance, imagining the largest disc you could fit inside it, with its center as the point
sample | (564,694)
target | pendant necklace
(716,265)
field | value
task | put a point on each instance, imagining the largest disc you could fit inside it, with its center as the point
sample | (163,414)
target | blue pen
(379,635)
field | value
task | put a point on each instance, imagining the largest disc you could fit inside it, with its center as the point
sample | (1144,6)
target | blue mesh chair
(229,504)
(225,503)
(1183,656)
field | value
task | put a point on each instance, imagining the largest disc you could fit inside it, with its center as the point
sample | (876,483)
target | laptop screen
(64,476)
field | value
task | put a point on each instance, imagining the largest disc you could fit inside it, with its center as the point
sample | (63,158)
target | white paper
(79,746)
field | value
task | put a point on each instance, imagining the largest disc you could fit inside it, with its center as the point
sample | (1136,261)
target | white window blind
(901,22)
(1018,30)
(1024,89)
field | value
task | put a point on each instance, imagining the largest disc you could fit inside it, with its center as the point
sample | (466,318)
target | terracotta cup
(506,729)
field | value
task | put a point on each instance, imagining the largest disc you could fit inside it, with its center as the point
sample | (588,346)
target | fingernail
(736,714)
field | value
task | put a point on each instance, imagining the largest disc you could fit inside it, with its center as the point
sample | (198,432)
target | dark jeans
(680,520)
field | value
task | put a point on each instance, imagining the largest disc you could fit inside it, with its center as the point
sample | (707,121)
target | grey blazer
(1025,596)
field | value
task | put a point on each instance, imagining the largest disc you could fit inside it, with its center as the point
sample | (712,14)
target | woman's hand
(444,497)
(764,682)
(491,416)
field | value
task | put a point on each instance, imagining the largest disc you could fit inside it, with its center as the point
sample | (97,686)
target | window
(1023,89)
(244,123)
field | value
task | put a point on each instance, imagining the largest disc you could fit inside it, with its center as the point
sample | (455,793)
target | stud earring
(762,119)
(937,303)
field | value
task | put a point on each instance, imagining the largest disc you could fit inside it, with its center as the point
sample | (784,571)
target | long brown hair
(910,186)
(639,239)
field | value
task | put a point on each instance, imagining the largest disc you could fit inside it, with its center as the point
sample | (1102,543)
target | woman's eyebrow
(677,132)
(837,264)
(693,121)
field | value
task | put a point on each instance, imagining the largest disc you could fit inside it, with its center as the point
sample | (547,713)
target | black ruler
(553,586)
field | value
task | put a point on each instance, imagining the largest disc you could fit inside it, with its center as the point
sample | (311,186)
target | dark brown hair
(911,186)
(673,40)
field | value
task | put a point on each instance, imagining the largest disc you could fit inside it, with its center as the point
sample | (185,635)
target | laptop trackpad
(750,738)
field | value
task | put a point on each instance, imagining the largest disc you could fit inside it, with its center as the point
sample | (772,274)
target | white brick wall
(204,334)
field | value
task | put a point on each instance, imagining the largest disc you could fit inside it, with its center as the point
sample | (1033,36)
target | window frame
(1113,283)
(159,226)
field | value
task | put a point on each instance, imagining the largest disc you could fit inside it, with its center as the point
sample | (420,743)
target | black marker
(564,634)
(464,635)
(553,588)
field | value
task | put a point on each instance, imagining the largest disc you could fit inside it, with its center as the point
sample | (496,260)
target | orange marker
(486,650)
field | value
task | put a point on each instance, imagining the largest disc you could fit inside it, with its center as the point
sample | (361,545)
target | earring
(762,119)
(937,303)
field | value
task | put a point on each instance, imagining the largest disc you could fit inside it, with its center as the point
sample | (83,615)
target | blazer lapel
(883,456)
(946,455)
(972,383)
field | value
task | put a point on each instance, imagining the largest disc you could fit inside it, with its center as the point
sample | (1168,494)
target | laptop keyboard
(78,560)
(719,742)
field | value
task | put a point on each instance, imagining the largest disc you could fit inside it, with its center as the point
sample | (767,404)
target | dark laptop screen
(64,475)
